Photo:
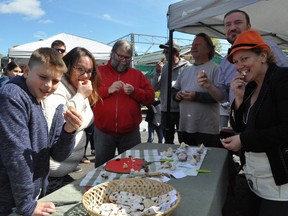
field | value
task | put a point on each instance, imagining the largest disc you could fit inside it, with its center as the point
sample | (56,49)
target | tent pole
(133,49)
(169,79)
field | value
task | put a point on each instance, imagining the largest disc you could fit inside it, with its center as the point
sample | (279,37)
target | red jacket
(119,113)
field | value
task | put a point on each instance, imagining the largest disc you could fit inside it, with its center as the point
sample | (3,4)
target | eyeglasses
(82,71)
(122,57)
(60,50)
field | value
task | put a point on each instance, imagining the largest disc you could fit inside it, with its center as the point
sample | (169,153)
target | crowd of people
(58,103)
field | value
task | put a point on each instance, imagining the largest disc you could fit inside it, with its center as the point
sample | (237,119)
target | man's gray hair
(122,45)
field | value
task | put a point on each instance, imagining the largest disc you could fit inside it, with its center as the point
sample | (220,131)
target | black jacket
(150,112)
(269,131)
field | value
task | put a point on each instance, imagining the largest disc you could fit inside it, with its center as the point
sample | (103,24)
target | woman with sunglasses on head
(259,115)
(12,70)
(73,91)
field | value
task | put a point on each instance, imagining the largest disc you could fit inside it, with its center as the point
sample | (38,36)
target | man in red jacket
(117,114)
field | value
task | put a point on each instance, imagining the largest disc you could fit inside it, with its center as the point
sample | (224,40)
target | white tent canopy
(268,17)
(100,51)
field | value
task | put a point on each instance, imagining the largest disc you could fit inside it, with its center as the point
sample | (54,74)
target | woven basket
(140,186)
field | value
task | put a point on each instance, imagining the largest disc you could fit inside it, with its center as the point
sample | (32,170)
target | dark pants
(245,203)
(89,137)
(169,128)
(107,144)
(195,139)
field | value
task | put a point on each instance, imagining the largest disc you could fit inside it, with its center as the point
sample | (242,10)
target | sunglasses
(60,50)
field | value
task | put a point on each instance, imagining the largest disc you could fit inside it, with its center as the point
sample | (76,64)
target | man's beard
(119,67)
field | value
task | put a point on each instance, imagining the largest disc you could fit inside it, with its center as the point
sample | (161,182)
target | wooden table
(203,195)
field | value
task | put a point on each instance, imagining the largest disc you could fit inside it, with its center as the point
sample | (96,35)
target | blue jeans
(159,131)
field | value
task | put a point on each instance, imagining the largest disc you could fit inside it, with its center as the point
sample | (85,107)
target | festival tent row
(100,51)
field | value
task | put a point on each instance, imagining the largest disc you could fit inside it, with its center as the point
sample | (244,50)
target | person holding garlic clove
(117,115)
(73,92)
(25,142)
(259,117)
(235,22)
(199,112)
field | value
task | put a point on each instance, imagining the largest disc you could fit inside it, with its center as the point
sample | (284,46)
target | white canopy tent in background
(100,51)
(268,17)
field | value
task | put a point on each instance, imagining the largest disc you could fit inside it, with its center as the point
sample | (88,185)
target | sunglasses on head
(60,50)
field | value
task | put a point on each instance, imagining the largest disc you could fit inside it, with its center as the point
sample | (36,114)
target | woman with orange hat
(259,115)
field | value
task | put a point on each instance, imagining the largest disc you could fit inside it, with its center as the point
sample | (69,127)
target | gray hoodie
(160,82)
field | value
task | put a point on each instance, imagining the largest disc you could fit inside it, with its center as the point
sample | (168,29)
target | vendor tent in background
(268,17)
(100,51)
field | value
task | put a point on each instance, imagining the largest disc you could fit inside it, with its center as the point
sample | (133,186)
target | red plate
(124,165)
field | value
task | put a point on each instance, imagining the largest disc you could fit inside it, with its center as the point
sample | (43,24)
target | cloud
(108,17)
(31,9)
(47,21)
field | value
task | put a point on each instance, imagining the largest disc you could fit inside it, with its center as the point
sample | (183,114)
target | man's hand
(116,86)
(185,95)
(203,80)
(128,89)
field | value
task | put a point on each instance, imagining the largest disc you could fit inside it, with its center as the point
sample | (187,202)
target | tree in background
(217,44)
(286,52)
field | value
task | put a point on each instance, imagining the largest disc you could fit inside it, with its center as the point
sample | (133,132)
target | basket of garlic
(131,196)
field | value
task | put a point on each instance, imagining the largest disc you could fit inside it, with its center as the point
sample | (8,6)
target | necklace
(245,118)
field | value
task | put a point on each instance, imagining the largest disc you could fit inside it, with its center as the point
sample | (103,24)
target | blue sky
(24,21)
